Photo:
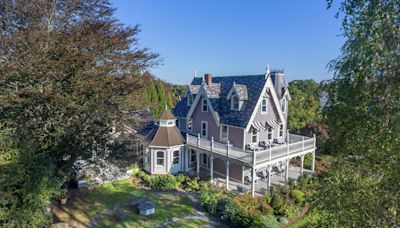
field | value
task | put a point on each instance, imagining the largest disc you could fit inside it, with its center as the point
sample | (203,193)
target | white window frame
(175,157)
(238,102)
(252,136)
(204,105)
(193,153)
(264,105)
(163,158)
(221,132)
(189,122)
(269,132)
(201,129)
(283,105)
(281,130)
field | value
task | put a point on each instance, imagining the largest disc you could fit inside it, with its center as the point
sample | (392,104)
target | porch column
(211,167)
(227,174)
(269,177)
(253,181)
(313,162)
(197,163)
(287,171)
(301,164)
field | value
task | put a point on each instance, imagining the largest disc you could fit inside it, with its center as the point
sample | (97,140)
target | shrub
(265,221)
(303,181)
(181,179)
(135,169)
(209,199)
(141,173)
(164,182)
(277,202)
(298,196)
(283,220)
(193,185)
(146,178)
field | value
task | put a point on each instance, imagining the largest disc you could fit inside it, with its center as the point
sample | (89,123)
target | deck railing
(297,144)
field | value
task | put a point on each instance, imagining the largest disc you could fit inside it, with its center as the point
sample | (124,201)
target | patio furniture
(147,208)
(251,147)
(265,143)
(248,178)
(280,140)
(242,189)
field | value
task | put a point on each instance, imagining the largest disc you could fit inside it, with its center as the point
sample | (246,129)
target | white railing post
(302,144)
(315,141)
(187,138)
(212,143)
(227,148)
(198,140)
(287,149)
(270,152)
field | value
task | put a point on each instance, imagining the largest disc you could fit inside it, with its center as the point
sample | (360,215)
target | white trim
(257,136)
(196,101)
(268,84)
(227,133)
(201,129)
(163,151)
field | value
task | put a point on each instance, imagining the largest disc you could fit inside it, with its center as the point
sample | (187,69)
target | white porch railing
(297,145)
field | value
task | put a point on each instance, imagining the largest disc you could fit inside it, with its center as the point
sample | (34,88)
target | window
(189,125)
(160,158)
(269,133)
(235,102)
(193,156)
(283,104)
(177,123)
(204,106)
(280,130)
(254,136)
(175,158)
(189,99)
(224,132)
(204,129)
(264,105)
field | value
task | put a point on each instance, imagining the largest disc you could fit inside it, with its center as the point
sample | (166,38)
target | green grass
(168,206)
(79,210)
(188,223)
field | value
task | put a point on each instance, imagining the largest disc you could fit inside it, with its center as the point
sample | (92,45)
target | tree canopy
(64,65)
(362,187)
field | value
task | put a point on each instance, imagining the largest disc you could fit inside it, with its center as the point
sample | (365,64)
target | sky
(238,37)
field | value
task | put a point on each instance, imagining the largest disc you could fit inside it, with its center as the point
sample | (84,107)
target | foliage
(304,106)
(192,185)
(364,121)
(265,221)
(209,199)
(277,203)
(298,196)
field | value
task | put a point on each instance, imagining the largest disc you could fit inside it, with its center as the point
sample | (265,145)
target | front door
(176,161)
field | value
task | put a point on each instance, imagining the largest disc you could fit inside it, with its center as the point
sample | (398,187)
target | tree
(304,106)
(64,66)
(361,189)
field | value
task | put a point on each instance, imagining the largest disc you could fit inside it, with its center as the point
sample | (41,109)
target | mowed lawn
(80,209)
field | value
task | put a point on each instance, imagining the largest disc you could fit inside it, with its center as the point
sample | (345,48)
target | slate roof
(254,85)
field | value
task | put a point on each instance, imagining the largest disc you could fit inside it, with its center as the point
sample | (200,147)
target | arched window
(283,104)
(235,102)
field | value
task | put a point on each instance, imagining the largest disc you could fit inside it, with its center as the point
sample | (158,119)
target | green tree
(64,66)
(304,106)
(153,95)
(361,189)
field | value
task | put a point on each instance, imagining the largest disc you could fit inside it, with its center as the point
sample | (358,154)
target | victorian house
(232,126)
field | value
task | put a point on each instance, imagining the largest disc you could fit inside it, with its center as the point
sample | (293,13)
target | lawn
(189,223)
(79,210)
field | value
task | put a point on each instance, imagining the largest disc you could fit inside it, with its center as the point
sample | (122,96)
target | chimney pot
(208,79)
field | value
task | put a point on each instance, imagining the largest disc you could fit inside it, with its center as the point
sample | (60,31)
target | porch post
(269,177)
(197,163)
(287,171)
(313,162)
(227,174)
(301,164)
(211,167)
(253,175)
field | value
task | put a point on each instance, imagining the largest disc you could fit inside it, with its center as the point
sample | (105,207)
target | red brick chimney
(208,79)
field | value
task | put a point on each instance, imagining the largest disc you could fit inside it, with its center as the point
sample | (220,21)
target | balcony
(295,146)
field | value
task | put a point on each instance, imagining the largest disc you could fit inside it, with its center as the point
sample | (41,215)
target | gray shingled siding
(199,116)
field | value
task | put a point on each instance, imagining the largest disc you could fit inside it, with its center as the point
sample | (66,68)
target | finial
(203,82)
(195,73)
(267,71)
(234,83)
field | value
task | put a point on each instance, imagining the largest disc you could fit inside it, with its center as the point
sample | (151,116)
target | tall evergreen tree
(362,187)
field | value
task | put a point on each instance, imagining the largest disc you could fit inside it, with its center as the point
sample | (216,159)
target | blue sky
(236,37)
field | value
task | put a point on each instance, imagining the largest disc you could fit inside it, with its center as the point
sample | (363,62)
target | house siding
(236,136)
(198,116)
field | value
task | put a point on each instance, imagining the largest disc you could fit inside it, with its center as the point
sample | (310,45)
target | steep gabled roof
(167,115)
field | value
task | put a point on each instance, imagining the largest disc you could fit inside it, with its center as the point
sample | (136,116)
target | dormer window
(264,105)
(204,106)
(189,99)
(235,102)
